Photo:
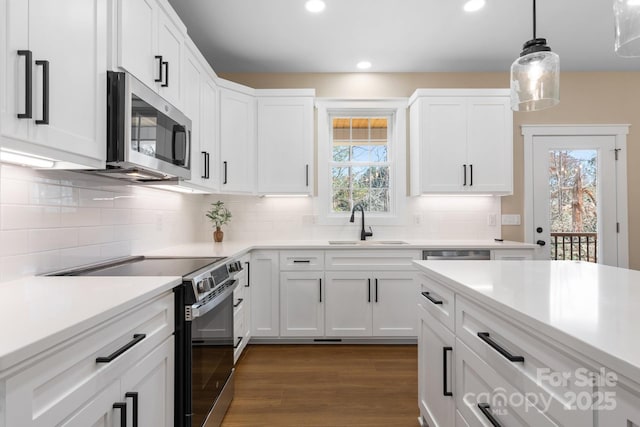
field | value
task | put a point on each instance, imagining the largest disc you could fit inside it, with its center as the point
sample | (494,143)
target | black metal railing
(574,246)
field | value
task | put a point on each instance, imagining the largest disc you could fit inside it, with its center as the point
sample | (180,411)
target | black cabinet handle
(159,78)
(45,92)
(302,261)
(224,164)
(484,336)
(248,274)
(320,287)
(136,339)
(205,158)
(471,175)
(541,242)
(369,287)
(28,83)
(208,165)
(445,372)
(238,343)
(133,395)
(428,296)
(122,406)
(166,74)
(238,303)
(486,411)
(464,173)
(307,174)
(376,290)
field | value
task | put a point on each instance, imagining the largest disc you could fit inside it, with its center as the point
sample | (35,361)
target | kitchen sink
(366,242)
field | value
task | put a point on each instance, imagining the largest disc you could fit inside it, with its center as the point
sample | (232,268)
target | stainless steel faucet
(363,234)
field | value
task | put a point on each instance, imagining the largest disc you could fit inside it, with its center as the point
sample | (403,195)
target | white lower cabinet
(301,303)
(264,285)
(380,305)
(242,309)
(618,406)
(435,371)
(90,379)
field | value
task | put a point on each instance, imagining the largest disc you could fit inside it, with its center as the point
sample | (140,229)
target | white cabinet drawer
(539,372)
(44,393)
(373,259)
(301,260)
(484,397)
(437,300)
(512,254)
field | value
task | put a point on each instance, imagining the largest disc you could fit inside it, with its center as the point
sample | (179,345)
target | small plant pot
(218,235)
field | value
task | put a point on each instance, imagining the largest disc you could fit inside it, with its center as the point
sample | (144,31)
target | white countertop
(37,313)
(237,248)
(591,308)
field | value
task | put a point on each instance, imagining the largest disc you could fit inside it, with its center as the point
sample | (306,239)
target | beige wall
(603,98)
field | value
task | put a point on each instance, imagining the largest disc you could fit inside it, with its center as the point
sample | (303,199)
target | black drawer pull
(484,336)
(445,372)
(302,261)
(28,83)
(238,303)
(428,296)
(122,406)
(133,395)
(238,343)
(136,339)
(486,411)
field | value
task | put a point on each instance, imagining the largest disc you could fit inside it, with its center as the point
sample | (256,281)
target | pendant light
(535,75)
(627,28)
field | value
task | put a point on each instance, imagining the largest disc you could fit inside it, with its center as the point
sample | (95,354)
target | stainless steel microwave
(148,139)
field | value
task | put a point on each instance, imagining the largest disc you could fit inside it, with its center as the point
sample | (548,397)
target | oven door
(211,346)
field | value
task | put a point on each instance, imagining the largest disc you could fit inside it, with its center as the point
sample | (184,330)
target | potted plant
(219,216)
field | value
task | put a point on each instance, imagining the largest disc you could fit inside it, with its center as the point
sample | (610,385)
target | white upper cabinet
(150,45)
(285,141)
(461,141)
(53,84)
(209,152)
(237,138)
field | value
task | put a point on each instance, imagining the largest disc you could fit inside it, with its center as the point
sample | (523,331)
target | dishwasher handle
(459,255)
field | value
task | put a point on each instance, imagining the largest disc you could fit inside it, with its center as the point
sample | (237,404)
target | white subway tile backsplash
(14,192)
(115,216)
(95,235)
(14,242)
(48,239)
(13,217)
(79,217)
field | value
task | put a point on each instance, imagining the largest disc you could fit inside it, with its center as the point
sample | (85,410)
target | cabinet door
(285,143)
(301,304)
(192,108)
(394,299)
(443,142)
(237,141)
(99,410)
(490,145)
(138,38)
(170,46)
(348,303)
(209,135)
(436,377)
(264,287)
(151,380)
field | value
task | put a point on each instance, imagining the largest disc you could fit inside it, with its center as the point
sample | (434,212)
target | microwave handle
(179,129)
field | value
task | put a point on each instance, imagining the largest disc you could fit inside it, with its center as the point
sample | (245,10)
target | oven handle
(199,310)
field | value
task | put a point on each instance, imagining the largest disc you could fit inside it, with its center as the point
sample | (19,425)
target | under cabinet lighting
(364,65)
(285,195)
(315,6)
(23,159)
(177,189)
(474,5)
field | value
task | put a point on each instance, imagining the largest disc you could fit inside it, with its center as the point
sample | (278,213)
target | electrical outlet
(158,221)
(511,219)
(491,220)
(416,219)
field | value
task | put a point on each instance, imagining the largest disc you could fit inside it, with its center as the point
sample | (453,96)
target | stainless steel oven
(204,337)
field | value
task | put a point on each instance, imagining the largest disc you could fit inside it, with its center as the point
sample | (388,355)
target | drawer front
(239,297)
(512,254)
(301,260)
(556,380)
(484,397)
(48,391)
(438,300)
(239,339)
(372,259)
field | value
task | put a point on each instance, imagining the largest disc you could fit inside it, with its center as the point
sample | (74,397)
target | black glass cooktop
(144,266)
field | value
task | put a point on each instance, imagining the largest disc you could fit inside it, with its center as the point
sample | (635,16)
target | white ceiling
(398,35)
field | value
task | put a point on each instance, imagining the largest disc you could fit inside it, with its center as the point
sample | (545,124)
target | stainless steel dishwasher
(456,254)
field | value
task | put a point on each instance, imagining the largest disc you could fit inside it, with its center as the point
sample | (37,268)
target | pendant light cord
(534,19)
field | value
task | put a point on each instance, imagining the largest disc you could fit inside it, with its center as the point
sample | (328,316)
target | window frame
(396,110)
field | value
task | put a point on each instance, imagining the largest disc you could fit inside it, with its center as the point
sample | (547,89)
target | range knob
(204,285)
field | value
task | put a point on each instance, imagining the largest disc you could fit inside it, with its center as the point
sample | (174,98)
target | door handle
(133,395)
(320,286)
(484,336)
(376,300)
(224,164)
(541,242)
(428,296)
(369,290)
(248,274)
(445,370)
(166,74)
(28,83)
(122,406)
(471,175)
(238,303)
(45,92)
(486,411)
(464,174)
(136,339)
(159,78)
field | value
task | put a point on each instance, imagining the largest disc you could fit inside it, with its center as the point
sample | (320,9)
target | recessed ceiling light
(474,5)
(315,6)
(364,65)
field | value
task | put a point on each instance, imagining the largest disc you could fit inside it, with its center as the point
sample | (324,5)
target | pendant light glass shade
(535,80)
(627,27)
(535,75)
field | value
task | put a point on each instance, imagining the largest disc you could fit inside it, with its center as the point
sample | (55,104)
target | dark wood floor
(326,385)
